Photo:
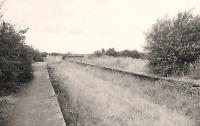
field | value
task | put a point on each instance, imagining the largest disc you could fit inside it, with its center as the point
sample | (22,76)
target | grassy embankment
(128,64)
(103,98)
(140,66)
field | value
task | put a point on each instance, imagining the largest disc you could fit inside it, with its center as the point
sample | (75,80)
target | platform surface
(37,105)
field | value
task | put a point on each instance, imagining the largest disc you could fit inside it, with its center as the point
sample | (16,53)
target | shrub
(36,55)
(111,52)
(173,44)
(131,53)
(15,56)
(98,53)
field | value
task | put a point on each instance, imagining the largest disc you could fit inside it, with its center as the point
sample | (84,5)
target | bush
(173,44)
(37,56)
(15,57)
(111,52)
(98,53)
(131,53)
(125,53)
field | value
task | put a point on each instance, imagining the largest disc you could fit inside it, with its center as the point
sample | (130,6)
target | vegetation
(173,44)
(125,53)
(111,52)
(114,99)
(15,57)
(69,110)
(55,54)
(6,112)
(195,70)
(125,63)
(98,53)
(131,53)
(38,56)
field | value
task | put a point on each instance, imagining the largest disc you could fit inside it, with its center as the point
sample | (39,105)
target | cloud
(2,3)
(86,25)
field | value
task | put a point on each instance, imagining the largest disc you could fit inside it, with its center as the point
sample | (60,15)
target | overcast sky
(82,26)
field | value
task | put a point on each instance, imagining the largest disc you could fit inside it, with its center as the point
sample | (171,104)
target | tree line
(124,53)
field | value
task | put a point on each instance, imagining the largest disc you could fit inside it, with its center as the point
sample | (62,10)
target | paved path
(37,105)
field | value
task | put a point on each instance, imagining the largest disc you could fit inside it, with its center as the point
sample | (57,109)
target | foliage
(173,44)
(111,52)
(131,53)
(124,53)
(44,54)
(56,54)
(15,60)
(37,56)
(98,53)
(15,56)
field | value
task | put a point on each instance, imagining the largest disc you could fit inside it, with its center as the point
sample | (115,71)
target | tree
(111,52)
(15,56)
(98,53)
(131,53)
(103,51)
(173,44)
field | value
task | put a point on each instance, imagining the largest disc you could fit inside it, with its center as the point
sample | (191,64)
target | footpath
(37,105)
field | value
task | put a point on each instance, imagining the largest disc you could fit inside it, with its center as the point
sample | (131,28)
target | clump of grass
(195,71)
(6,112)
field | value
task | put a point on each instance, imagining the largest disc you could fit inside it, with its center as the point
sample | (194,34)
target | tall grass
(125,63)
(195,70)
(68,108)
(141,66)
(6,111)
(107,99)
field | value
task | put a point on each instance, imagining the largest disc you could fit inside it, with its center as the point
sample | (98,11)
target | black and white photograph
(99,62)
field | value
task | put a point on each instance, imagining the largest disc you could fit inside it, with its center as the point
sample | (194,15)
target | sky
(83,26)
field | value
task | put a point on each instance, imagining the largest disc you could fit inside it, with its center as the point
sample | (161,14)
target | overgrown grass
(6,111)
(67,105)
(195,71)
(103,98)
(141,66)
(125,63)
(176,101)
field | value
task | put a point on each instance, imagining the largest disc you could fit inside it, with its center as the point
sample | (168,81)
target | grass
(68,107)
(195,71)
(141,66)
(106,99)
(7,102)
(128,64)
(6,111)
